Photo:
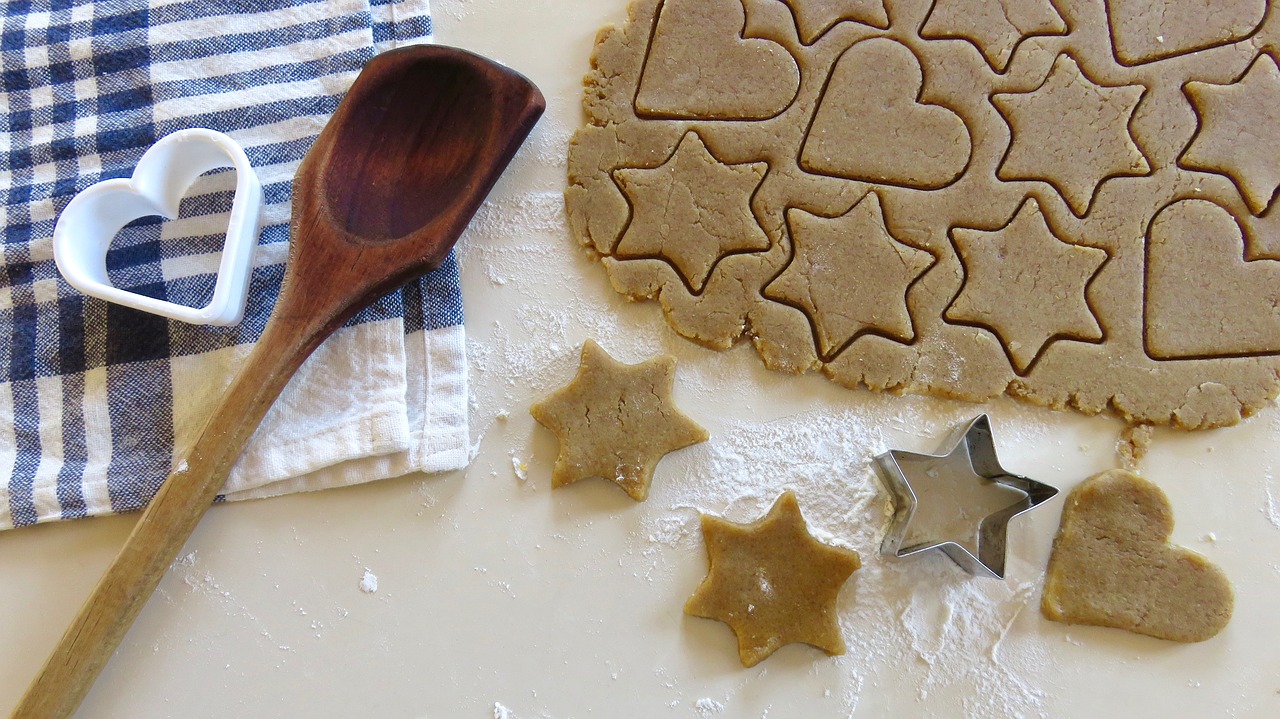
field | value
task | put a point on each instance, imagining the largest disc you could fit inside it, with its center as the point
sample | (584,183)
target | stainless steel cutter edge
(978,445)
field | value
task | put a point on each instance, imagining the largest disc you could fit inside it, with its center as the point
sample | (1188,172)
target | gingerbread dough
(1066,201)
(615,421)
(772,582)
(1112,565)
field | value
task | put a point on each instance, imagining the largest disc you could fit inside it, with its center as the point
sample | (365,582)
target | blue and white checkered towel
(96,400)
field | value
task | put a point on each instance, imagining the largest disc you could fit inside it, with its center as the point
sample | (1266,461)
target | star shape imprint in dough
(772,582)
(959,502)
(692,210)
(1071,133)
(615,421)
(849,275)
(1026,285)
(995,27)
(1239,134)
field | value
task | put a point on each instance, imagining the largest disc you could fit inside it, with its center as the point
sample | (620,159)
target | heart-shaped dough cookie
(871,125)
(1203,299)
(1112,565)
(699,66)
(1141,34)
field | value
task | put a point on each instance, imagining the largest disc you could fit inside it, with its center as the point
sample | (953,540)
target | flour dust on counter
(1272,506)
(519,468)
(951,625)
(824,455)
(368,582)
(707,707)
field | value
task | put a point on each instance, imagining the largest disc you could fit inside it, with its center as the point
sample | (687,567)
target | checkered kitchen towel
(96,399)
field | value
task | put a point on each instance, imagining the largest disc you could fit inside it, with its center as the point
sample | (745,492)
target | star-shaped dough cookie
(1239,134)
(1026,285)
(615,421)
(849,275)
(691,211)
(995,27)
(1071,133)
(772,582)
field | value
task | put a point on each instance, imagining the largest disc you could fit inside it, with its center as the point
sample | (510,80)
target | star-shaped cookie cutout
(772,582)
(1026,285)
(691,211)
(959,502)
(995,27)
(1239,133)
(849,275)
(615,421)
(1071,133)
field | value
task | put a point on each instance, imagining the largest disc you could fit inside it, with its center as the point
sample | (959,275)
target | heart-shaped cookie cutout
(1141,33)
(92,219)
(871,126)
(1112,565)
(700,67)
(1203,299)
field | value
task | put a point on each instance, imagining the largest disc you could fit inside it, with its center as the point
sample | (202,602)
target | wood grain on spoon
(381,197)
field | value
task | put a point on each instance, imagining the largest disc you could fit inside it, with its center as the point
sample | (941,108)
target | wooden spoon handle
(165,526)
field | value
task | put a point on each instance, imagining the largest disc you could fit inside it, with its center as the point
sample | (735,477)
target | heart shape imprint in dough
(84,231)
(871,126)
(1112,565)
(1142,34)
(700,67)
(1203,299)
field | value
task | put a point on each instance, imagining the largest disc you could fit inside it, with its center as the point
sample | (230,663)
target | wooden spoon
(381,197)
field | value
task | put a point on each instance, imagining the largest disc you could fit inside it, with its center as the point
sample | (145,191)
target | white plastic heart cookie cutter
(94,217)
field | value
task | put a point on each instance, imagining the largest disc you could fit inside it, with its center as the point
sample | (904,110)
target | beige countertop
(499,598)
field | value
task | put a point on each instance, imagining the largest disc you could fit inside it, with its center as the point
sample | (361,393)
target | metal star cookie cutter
(972,454)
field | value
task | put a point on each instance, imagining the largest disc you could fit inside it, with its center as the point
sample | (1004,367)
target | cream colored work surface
(498,598)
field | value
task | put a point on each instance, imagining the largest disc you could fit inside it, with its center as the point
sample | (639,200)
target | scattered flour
(368,582)
(202,584)
(456,9)
(956,626)
(707,706)
(1272,505)
(501,712)
(960,631)
(966,651)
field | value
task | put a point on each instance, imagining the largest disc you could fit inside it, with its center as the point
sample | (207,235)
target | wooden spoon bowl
(402,166)
(381,197)
(452,116)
